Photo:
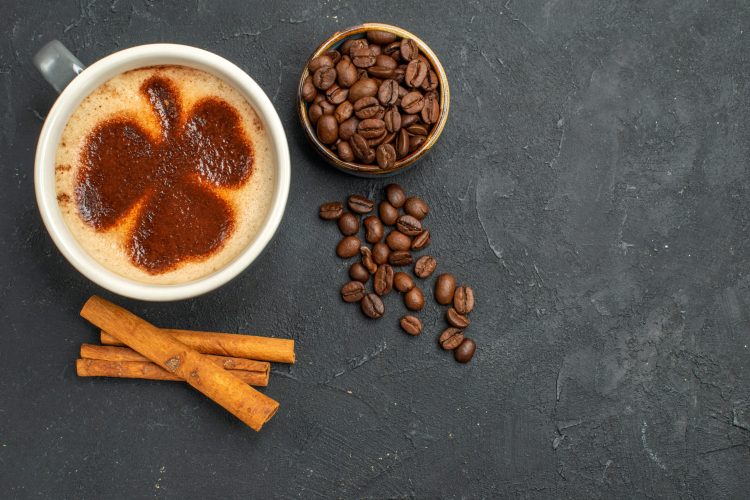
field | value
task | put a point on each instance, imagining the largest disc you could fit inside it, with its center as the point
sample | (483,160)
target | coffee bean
(380,72)
(346,72)
(465,351)
(361,149)
(412,103)
(445,285)
(352,42)
(416,207)
(367,260)
(431,82)
(335,56)
(400,258)
(314,113)
(388,92)
(417,129)
(343,112)
(336,95)
(414,299)
(463,299)
(411,325)
(385,156)
(324,77)
(372,306)
(323,61)
(415,142)
(388,213)
(451,338)
(362,57)
(421,240)
(348,247)
(392,48)
(327,107)
(353,291)
(367,107)
(402,143)
(308,90)
(409,225)
(360,204)
(409,120)
(454,318)
(392,119)
(425,266)
(396,195)
(402,282)
(431,108)
(380,253)
(375,141)
(416,72)
(358,272)
(349,127)
(366,87)
(348,224)
(371,128)
(331,210)
(385,61)
(374,229)
(380,37)
(344,151)
(409,49)
(328,129)
(383,280)
(397,240)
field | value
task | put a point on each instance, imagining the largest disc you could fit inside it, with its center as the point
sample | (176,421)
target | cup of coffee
(162,171)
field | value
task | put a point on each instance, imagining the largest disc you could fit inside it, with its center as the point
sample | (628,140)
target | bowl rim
(402,164)
(91,78)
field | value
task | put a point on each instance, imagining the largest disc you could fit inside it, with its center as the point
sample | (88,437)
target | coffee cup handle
(57,64)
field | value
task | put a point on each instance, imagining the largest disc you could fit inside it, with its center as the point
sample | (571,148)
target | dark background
(591,185)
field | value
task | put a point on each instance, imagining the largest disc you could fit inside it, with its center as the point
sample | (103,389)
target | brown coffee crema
(168,187)
(165,174)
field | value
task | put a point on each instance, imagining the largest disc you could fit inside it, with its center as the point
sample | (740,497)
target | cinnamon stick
(228,344)
(148,371)
(241,400)
(111,353)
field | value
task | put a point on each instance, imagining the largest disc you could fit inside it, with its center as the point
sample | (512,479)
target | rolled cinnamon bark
(149,371)
(228,344)
(241,400)
(112,353)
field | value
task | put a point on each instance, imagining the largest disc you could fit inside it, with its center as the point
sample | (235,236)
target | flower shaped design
(168,187)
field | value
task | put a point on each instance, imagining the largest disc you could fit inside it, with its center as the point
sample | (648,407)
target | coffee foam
(121,96)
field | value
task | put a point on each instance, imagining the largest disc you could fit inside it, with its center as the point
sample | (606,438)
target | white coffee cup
(68,76)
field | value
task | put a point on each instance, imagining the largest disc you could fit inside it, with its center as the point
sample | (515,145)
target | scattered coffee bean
(374,229)
(331,211)
(463,299)
(348,224)
(454,318)
(409,225)
(411,325)
(372,306)
(395,195)
(360,204)
(380,253)
(348,247)
(388,213)
(402,282)
(416,207)
(383,280)
(451,338)
(421,240)
(353,291)
(465,351)
(384,79)
(367,260)
(414,299)
(358,272)
(445,285)
(400,258)
(397,240)
(425,266)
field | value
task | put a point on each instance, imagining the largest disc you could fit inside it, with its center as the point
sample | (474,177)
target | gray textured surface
(591,185)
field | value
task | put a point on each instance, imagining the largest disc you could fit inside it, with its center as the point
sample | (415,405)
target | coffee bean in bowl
(373,99)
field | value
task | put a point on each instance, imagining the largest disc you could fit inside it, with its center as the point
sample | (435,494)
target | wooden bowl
(373,170)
